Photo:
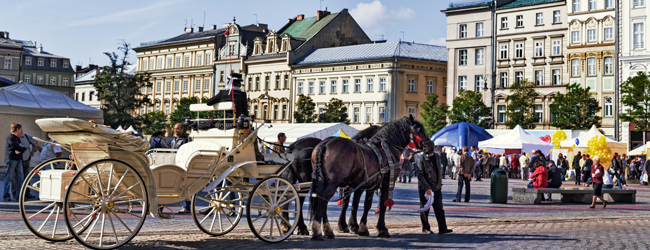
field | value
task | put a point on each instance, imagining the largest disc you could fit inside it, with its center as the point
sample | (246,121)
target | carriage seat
(222,124)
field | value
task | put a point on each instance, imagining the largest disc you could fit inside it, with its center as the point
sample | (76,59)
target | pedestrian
(562,165)
(444,162)
(646,172)
(50,150)
(626,166)
(607,180)
(577,167)
(465,169)
(597,171)
(456,159)
(523,162)
(539,178)
(586,170)
(14,174)
(407,165)
(450,165)
(554,177)
(514,162)
(503,162)
(32,147)
(493,162)
(139,133)
(180,139)
(620,170)
(537,157)
(633,168)
(429,174)
(478,170)
(157,141)
(279,145)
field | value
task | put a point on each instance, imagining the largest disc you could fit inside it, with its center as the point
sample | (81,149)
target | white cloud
(438,41)
(124,16)
(375,18)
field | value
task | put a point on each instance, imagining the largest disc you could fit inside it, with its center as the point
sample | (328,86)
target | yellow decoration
(598,147)
(557,137)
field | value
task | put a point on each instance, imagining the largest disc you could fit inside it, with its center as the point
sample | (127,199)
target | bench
(572,195)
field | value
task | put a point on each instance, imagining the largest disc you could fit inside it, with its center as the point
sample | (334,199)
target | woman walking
(597,172)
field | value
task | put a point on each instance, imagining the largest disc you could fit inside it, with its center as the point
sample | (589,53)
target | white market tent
(131,129)
(517,138)
(24,103)
(640,150)
(584,138)
(295,131)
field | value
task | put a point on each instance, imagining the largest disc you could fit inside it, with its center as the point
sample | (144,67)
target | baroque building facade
(45,69)
(10,58)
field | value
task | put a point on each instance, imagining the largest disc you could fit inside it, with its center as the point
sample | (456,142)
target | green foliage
(119,91)
(305,109)
(575,110)
(469,107)
(153,122)
(521,105)
(182,110)
(434,116)
(635,97)
(335,111)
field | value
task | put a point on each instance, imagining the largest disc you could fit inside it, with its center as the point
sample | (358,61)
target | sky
(84,30)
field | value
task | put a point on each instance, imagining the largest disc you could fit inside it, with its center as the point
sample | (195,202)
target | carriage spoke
(207,216)
(84,207)
(118,183)
(128,189)
(275,217)
(285,192)
(46,220)
(85,218)
(92,227)
(110,218)
(101,188)
(91,186)
(37,213)
(110,177)
(227,217)
(262,197)
(56,220)
(259,217)
(220,221)
(285,220)
(287,201)
(127,201)
(271,228)
(72,190)
(213,219)
(268,193)
(101,231)
(206,200)
(124,224)
(34,188)
(124,211)
(38,201)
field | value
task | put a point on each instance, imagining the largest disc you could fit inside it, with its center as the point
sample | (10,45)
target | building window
(609,67)
(370,85)
(462,83)
(53,63)
(431,86)
(557,48)
(256,111)
(539,19)
(444,86)
(277,81)
(197,85)
(83,96)
(284,112)
(333,87)
(411,111)
(206,84)
(250,83)
(591,66)
(160,61)
(519,21)
(479,29)
(169,62)
(52,80)
(519,50)
(90,95)
(310,88)
(368,114)
(199,59)
(157,107)
(152,64)
(144,64)
(221,76)
(267,82)
(41,62)
(39,80)
(28,79)
(576,36)
(557,77)
(591,35)
(158,87)
(608,107)
(345,87)
(575,67)
(503,80)
(503,52)
(539,48)
(177,84)
(519,76)
(178,62)
(275,112)
(638,3)
(609,4)
(382,114)
(382,84)
(539,77)
(478,83)
(639,37)
(357,85)
(187,61)
(286,81)
(501,118)
(557,16)
(609,34)
(168,87)
(356,115)
(463,31)
(28,61)
(576,5)
(411,86)
(539,113)
(257,83)
(321,87)
(66,81)
(592,5)
(480,56)
(185,86)
(7,63)
(504,23)
(462,57)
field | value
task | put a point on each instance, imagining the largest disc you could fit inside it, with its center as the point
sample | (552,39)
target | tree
(575,109)
(335,111)
(635,97)
(305,109)
(434,116)
(521,105)
(120,91)
(153,122)
(468,107)
(182,110)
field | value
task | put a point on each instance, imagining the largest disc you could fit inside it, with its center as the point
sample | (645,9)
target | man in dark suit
(429,174)
(576,166)
(465,170)
(226,95)
(443,161)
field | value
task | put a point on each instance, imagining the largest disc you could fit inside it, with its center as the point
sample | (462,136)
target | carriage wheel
(273,209)
(42,217)
(223,205)
(115,195)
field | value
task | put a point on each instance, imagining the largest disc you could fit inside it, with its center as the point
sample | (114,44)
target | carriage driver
(226,95)
(429,174)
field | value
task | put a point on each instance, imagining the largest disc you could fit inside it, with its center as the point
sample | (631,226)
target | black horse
(343,163)
(301,168)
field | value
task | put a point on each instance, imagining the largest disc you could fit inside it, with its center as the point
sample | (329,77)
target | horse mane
(366,133)
(394,131)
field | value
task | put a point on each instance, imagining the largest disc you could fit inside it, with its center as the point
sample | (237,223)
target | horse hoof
(303,231)
(330,236)
(383,235)
(317,238)
(354,230)
(344,230)
(366,233)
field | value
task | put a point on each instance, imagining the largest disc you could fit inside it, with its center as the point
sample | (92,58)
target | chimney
(188,30)
(213,27)
(77,68)
(225,25)
(200,29)
(41,48)
(321,13)
(300,17)
(4,34)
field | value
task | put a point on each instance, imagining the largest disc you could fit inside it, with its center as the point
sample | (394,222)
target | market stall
(515,141)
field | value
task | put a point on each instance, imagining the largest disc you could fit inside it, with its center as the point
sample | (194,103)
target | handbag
(611,171)
(645,177)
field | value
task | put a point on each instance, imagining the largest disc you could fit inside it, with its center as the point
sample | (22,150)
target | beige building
(377,82)
(10,57)
(530,44)
(591,53)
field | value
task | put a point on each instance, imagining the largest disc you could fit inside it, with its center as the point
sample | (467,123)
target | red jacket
(541,177)
(597,177)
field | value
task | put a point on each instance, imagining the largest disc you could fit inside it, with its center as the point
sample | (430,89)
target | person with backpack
(157,141)
(586,170)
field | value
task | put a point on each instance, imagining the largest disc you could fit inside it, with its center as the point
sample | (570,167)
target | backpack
(157,143)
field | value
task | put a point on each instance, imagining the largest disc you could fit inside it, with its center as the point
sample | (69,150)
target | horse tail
(317,204)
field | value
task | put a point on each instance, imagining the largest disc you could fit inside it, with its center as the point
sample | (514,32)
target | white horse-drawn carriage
(102,196)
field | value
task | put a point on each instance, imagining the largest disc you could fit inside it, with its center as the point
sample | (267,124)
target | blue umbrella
(460,135)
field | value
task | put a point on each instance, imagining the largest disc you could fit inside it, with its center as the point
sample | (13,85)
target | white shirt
(49,151)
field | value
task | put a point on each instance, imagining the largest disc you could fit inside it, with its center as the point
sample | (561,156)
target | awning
(295,131)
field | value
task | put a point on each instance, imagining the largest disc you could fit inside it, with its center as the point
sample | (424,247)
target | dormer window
(53,63)
(257,47)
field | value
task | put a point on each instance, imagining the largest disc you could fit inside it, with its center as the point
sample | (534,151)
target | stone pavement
(477,225)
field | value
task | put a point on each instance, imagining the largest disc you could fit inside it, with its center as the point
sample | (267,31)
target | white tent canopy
(295,131)
(27,99)
(584,138)
(516,139)
(640,150)
(131,129)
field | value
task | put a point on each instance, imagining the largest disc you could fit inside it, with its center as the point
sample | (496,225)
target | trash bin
(499,186)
